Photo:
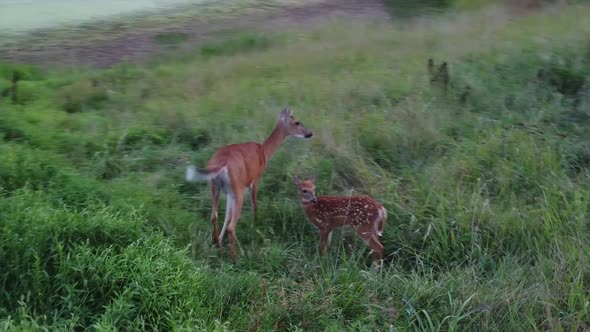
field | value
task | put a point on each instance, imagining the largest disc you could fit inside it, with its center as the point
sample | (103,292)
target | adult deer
(236,167)
(363,213)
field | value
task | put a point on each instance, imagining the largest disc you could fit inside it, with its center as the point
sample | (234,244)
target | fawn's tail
(381,222)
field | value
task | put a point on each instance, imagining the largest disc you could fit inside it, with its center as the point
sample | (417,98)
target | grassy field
(487,184)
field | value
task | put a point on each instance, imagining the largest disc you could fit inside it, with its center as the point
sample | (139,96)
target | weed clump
(82,96)
(246,42)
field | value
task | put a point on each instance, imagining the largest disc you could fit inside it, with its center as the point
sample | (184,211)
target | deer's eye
(305,191)
(297,123)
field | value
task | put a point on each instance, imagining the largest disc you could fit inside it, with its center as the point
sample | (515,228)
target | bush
(95,267)
(82,96)
(38,170)
(241,43)
(25,72)
(171,38)
(401,8)
(23,166)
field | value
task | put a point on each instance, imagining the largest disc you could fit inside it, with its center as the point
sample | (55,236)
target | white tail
(363,213)
(194,175)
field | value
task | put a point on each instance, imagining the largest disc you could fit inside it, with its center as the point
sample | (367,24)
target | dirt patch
(103,47)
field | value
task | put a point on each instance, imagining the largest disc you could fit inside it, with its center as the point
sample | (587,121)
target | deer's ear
(286,113)
(313,178)
(296,179)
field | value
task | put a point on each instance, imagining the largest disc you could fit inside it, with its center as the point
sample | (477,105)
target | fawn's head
(306,190)
(293,126)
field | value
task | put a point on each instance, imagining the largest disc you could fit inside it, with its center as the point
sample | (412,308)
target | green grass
(488,197)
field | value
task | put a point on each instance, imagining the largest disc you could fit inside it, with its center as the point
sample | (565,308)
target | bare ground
(105,44)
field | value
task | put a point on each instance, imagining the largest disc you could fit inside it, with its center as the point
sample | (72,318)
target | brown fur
(245,164)
(363,213)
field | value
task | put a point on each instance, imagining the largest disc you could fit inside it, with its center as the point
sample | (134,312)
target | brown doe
(237,167)
(363,213)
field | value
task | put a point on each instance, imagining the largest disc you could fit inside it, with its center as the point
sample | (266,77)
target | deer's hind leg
(372,240)
(228,214)
(214,206)
(377,248)
(231,228)
(325,237)
(254,199)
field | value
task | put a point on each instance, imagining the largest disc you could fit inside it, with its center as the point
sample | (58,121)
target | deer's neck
(308,208)
(272,143)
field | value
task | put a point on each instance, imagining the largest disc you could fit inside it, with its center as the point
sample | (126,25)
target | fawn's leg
(372,240)
(377,248)
(325,236)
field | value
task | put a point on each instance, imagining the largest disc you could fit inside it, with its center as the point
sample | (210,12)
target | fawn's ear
(296,179)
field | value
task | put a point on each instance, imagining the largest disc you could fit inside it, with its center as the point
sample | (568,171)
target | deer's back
(344,210)
(245,161)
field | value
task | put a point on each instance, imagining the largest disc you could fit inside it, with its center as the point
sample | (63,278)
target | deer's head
(306,190)
(293,126)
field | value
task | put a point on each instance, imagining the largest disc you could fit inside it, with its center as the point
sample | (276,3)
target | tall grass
(486,184)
